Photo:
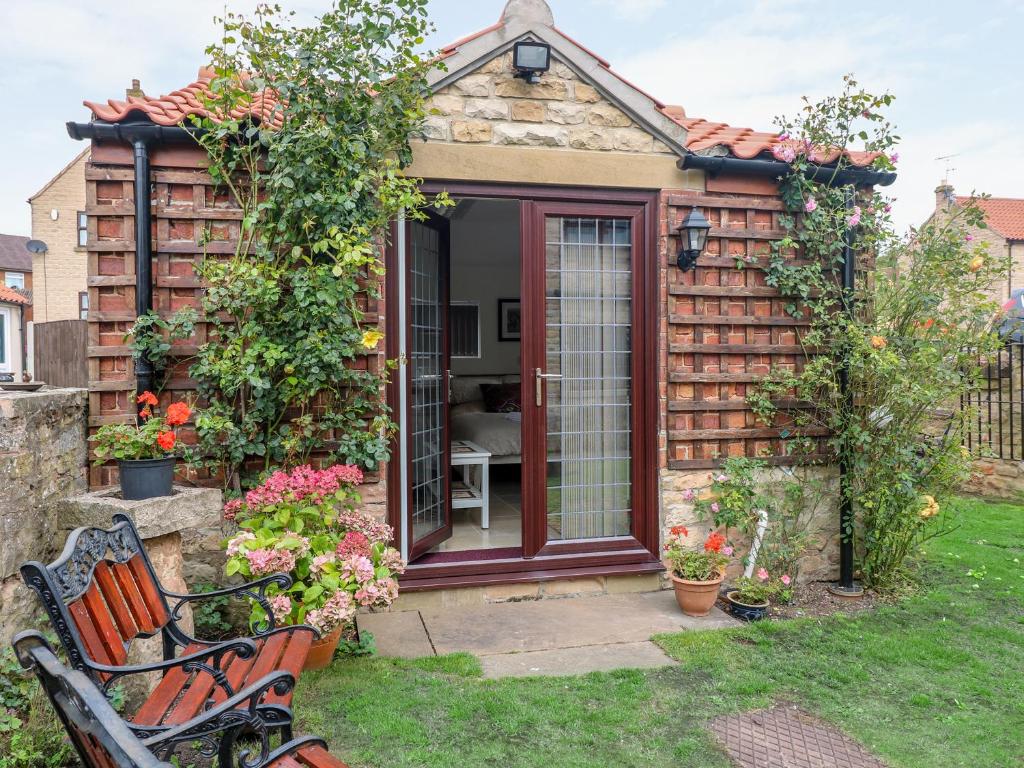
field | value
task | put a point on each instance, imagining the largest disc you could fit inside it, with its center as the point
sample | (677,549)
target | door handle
(539,377)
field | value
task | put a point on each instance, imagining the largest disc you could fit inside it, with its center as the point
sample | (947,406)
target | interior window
(15,280)
(464,328)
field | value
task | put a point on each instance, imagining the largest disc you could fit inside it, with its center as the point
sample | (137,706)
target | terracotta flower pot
(322,651)
(746,611)
(696,598)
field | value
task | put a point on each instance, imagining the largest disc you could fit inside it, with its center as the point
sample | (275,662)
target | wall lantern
(531,60)
(694,234)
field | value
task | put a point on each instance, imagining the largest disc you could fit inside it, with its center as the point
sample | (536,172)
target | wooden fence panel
(61,350)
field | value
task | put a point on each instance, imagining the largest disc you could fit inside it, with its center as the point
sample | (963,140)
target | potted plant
(751,597)
(145,450)
(304,523)
(696,573)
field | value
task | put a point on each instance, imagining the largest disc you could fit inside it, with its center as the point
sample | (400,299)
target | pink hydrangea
(303,483)
(354,543)
(281,605)
(392,560)
(263,562)
(358,567)
(338,610)
(375,531)
(317,566)
(231,509)
(235,545)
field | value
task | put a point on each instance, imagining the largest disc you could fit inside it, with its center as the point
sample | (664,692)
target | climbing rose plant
(285,373)
(908,339)
(304,523)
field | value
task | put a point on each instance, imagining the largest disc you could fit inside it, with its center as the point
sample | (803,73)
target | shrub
(31,735)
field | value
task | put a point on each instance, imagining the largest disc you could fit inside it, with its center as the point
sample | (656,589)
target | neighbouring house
(15,304)
(591,382)
(59,220)
(1004,234)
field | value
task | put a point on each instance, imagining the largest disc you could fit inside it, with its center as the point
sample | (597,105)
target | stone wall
(490,106)
(997,429)
(42,464)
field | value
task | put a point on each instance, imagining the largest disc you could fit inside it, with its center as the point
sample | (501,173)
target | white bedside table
(467,494)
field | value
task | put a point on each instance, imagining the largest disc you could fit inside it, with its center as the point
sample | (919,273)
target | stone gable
(490,106)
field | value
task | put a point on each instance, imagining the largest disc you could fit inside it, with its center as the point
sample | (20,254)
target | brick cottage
(565,381)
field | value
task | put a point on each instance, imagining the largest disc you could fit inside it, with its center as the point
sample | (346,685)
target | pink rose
(689,494)
(887,208)
(727,551)
(721,479)
(762,574)
(969,238)
(894,158)
(785,579)
(811,205)
(714,507)
(854,219)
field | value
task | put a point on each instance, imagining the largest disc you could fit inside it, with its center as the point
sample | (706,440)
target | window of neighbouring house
(464,328)
(5,341)
(83,229)
(83,305)
(15,280)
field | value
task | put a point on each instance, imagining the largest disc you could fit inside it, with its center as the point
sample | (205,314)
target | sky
(955,69)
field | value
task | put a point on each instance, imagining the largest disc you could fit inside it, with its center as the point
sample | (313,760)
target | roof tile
(14,255)
(11,296)
(1003,214)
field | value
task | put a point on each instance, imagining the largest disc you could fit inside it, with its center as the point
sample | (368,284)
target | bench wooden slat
(294,656)
(155,707)
(315,756)
(113,645)
(137,606)
(94,646)
(287,761)
(269,655)
(116,601)
(238,673)
(149,590)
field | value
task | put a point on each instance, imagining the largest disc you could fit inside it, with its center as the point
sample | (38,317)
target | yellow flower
(878,342)
(371,338)
(977,263)
(930,509)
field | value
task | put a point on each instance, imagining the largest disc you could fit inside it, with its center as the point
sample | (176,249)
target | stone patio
(570,636)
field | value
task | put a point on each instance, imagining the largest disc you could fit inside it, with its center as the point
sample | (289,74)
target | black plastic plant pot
(146,478)
(744,611)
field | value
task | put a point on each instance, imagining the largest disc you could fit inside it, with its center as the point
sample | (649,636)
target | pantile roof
(703,136)
(13,254)
(11,296)
(1005,215)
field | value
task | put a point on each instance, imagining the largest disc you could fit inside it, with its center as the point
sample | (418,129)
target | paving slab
(787,736)
(544,625)
(397,635)
(576,661)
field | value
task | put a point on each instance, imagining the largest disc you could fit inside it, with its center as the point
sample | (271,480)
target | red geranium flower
(679,530)
(146,412)
(147,398)
(177,413)
(715,542)
(166,440)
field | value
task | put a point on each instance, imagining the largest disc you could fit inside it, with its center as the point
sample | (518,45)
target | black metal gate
(996,427)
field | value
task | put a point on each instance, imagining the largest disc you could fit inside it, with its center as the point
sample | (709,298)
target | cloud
(633,10)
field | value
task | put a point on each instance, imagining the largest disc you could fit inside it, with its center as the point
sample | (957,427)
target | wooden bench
(103,740)
(102,593)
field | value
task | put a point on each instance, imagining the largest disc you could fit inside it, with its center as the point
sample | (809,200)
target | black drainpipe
(851,178)
(140,136)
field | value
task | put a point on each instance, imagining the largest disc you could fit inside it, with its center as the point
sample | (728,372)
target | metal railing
(996,427)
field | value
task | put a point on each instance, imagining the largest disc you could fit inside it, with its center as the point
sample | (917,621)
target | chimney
(944,195)
(135,90)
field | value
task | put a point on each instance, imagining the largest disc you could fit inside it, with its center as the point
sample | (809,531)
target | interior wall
(484,268)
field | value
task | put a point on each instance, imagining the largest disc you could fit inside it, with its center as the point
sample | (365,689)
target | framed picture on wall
(510,320)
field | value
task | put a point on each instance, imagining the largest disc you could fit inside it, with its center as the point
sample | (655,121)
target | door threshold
(476,574)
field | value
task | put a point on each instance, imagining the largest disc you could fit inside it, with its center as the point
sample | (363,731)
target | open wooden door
(427,357)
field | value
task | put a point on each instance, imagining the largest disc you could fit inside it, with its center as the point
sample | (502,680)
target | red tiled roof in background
(14,255)
(1005,215)
(11,296)
(702,135)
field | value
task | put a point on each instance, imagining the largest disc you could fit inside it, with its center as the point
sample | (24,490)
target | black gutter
(140,136)
(714,166)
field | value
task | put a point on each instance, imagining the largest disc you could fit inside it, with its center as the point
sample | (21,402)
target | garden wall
(42,465)
(997,429)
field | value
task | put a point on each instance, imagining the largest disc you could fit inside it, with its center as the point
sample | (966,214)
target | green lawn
(935,681)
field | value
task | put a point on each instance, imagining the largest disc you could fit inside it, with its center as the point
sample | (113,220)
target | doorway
(526,406)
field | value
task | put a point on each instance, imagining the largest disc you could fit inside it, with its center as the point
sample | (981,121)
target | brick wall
(60,274)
